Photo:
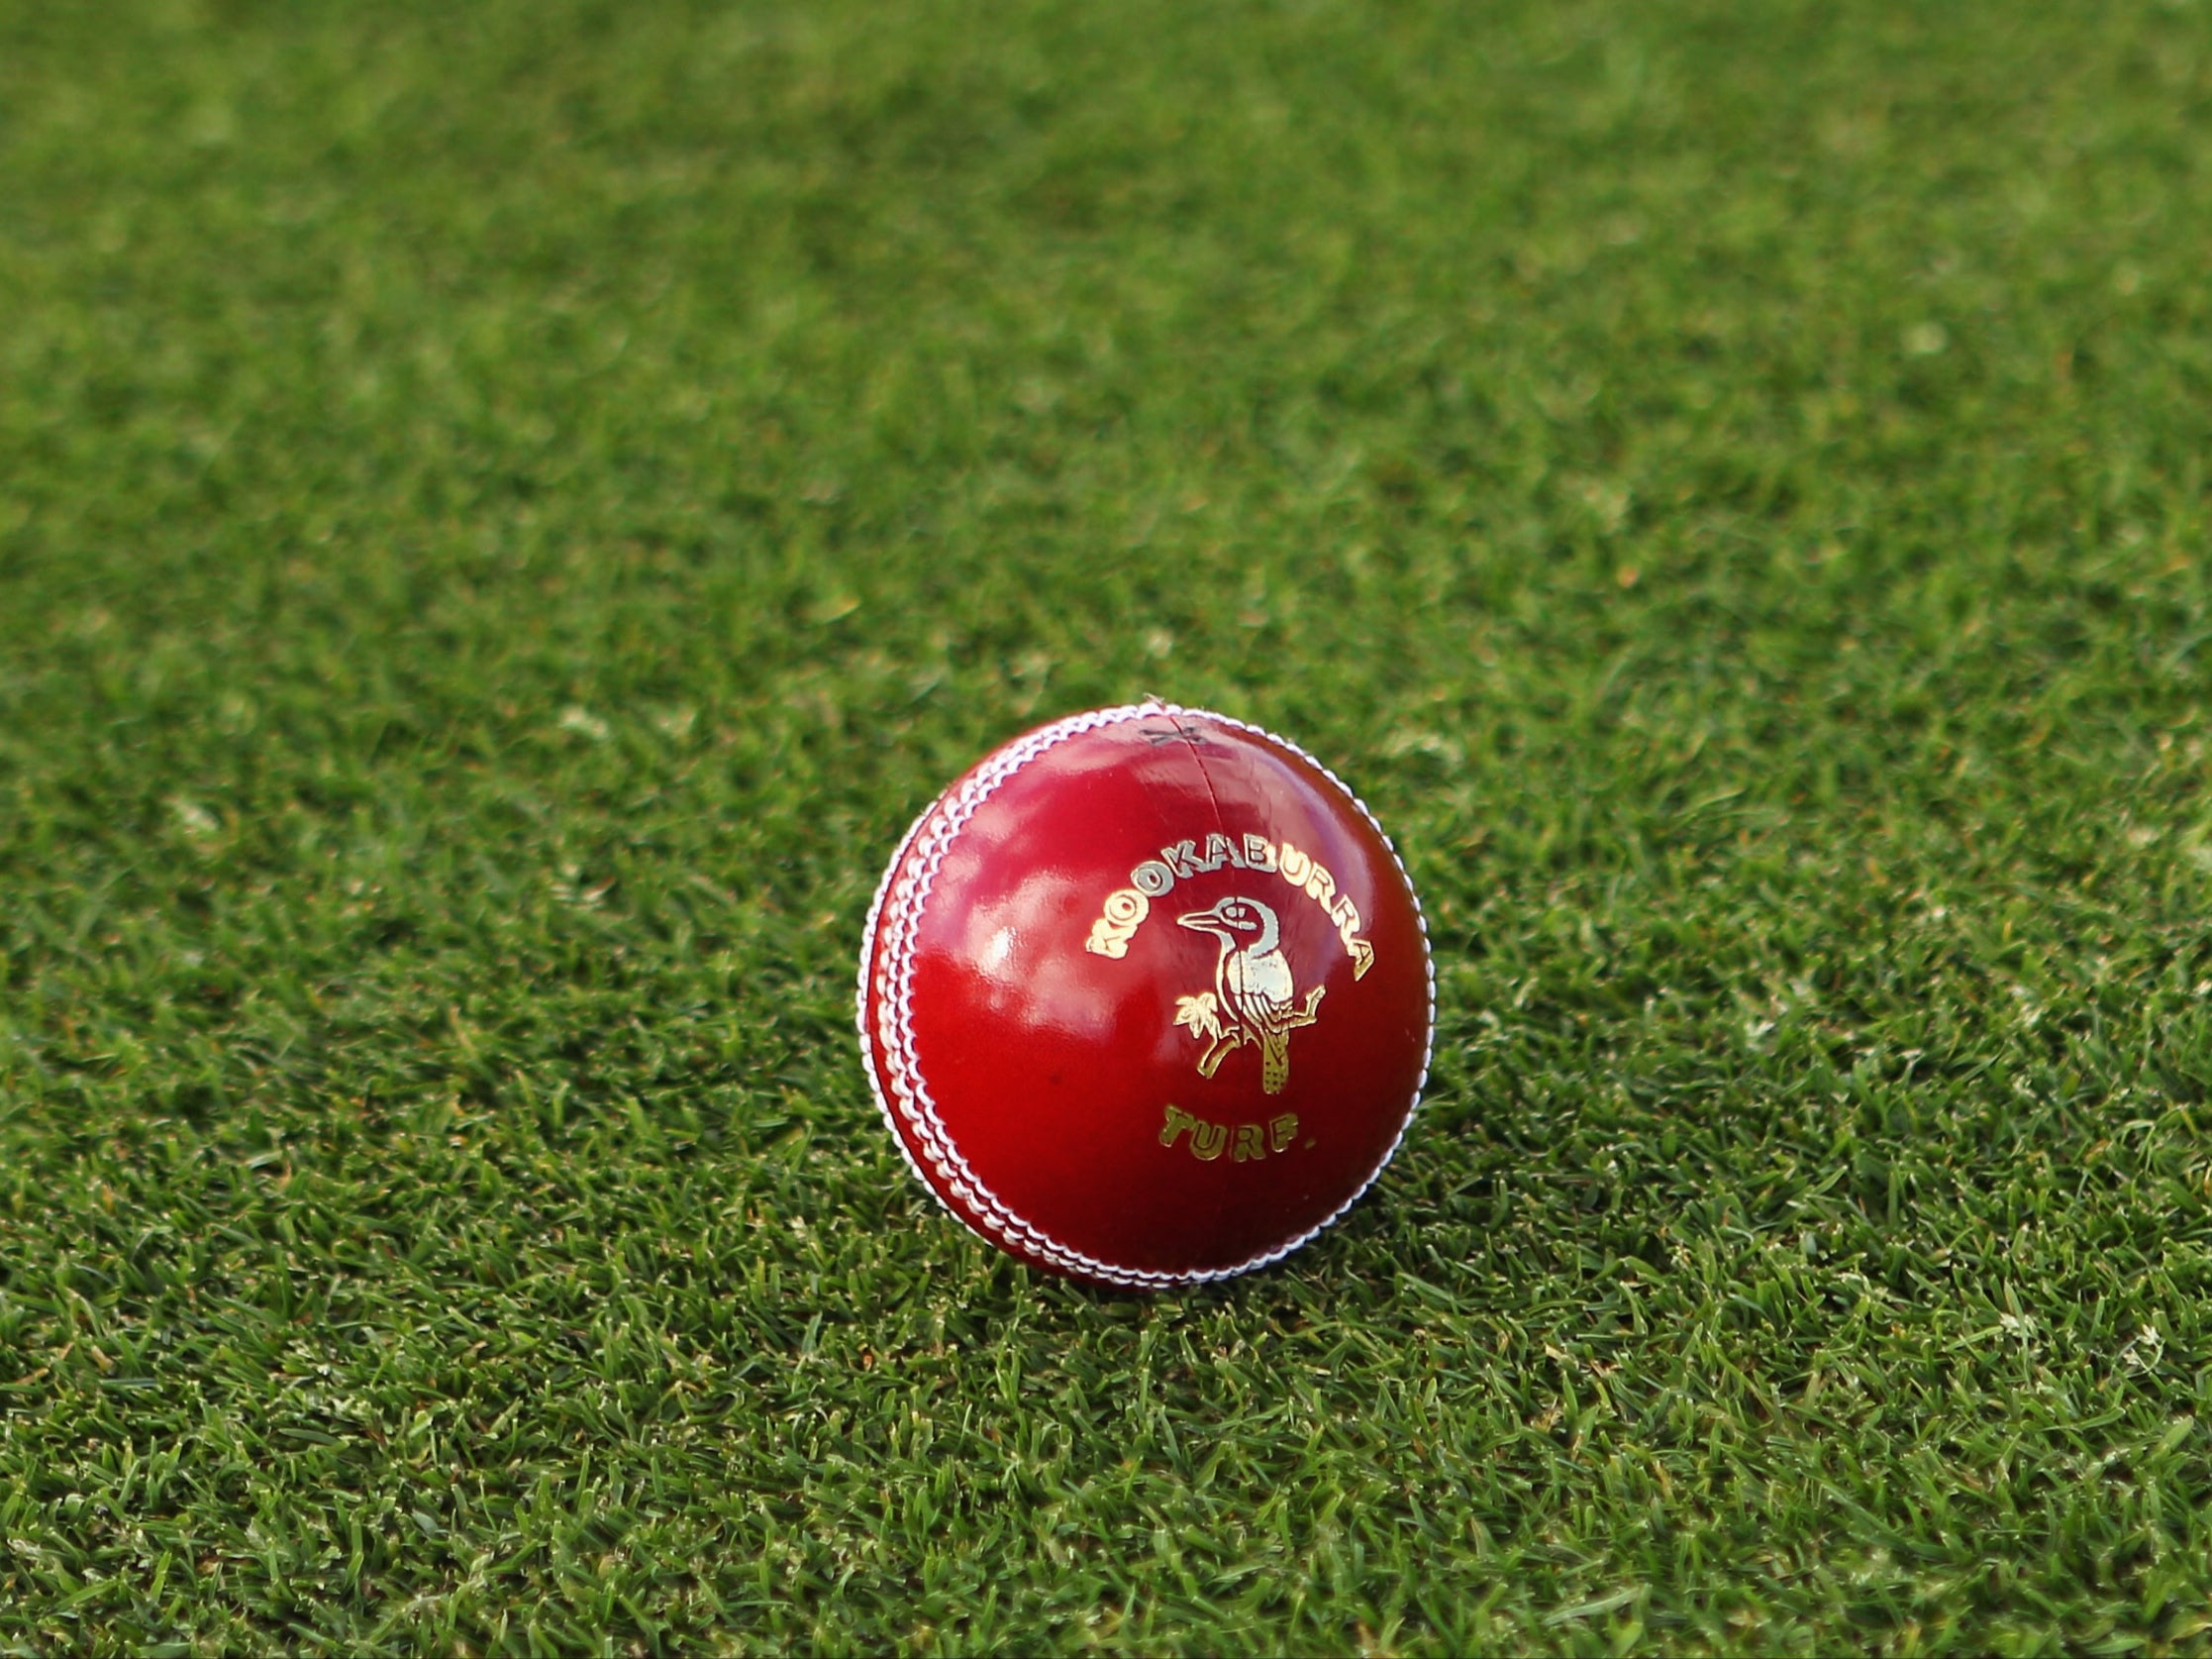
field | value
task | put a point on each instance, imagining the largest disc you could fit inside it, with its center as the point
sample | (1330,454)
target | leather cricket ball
(1146,996)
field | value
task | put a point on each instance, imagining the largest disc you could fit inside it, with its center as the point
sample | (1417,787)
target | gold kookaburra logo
(1254,1000)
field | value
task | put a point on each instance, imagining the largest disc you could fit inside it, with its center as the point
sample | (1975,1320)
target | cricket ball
(1146,997)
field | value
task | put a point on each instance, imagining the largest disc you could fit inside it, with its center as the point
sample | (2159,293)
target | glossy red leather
(1161,1099)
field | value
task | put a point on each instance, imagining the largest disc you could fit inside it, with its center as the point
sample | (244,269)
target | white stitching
(891,1047)
(860,1008)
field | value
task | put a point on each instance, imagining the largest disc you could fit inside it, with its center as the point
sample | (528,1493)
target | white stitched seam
(860,1008)
(892,1043)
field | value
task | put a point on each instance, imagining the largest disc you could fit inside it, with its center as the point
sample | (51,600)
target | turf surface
(504,516)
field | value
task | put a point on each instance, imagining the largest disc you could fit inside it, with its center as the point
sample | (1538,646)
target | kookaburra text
(1126,907)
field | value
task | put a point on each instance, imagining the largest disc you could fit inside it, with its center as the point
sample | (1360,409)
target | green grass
(505,515)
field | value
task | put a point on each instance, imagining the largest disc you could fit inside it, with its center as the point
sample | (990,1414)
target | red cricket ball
(1146,996)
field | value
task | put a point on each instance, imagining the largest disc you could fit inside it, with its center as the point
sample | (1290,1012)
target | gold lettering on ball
(1246,1143)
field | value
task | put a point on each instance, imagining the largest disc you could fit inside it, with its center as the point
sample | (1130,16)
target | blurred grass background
(505,514)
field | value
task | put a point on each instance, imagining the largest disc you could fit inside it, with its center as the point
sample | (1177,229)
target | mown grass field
(504,515)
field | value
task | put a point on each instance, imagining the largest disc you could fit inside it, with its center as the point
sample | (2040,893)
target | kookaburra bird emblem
(1254,1000)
